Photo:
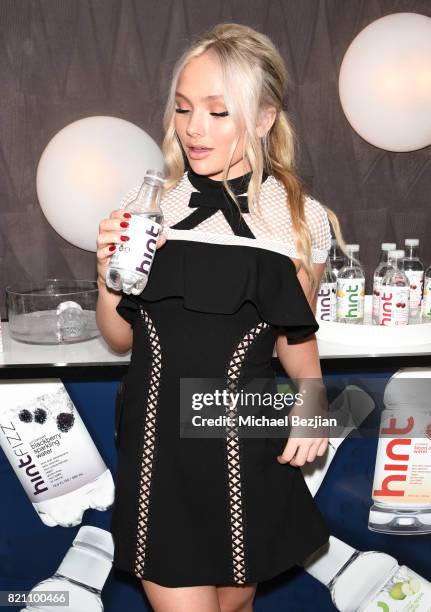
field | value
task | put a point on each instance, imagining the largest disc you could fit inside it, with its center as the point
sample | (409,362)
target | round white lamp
(86,169)
(385,82)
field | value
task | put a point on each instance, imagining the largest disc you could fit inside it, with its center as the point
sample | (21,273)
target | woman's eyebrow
(212,97)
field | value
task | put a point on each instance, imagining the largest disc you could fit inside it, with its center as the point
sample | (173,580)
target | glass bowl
(52,311)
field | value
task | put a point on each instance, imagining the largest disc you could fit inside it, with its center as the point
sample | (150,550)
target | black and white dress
(219,511)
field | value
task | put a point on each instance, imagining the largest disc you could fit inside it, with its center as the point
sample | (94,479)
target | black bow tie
(211,196)
(220,202)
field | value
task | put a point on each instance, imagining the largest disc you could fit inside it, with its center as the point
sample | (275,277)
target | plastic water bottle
(351,289)
(379,274)
(394,292)
(336,257)
(131,263)
(426,305)
(51,451)
(326,298)
(368,581)
(79,578)
(414,269)
(401,490)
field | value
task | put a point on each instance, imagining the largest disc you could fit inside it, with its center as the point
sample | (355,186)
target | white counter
(97,353)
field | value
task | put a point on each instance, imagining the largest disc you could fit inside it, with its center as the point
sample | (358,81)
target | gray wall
(62,60)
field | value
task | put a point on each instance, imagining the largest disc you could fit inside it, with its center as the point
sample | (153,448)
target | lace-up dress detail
(222,510)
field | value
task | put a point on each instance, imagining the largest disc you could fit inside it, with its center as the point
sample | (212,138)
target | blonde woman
(202,521)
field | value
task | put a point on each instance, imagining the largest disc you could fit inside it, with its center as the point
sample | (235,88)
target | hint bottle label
(416,280)
(405,591)
(394,305)
(377,283)
(427,299)
(138,252)
(402,474)
(350,298)
(326,302)
(46,441)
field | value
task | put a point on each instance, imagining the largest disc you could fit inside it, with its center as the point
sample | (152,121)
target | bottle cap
(411,241)
(353,248)
(388,246)
(89,560)
(325,563)
(155,175)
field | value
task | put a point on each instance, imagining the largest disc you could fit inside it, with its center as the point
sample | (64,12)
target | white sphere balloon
(86,169)
(385,82)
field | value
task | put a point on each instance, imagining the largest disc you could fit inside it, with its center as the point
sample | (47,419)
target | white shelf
(88,353)
(97,353)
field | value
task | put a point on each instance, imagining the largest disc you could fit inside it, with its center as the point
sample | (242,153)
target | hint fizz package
(51,451)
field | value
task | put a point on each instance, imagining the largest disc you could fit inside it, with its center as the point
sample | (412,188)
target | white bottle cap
(411,241)
(89,560)
(388,246)
(327,561)
(397,253)
(353,248)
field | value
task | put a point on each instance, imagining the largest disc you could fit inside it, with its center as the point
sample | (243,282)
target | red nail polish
(124,238)
(127,215)
(112,247)
(124,224)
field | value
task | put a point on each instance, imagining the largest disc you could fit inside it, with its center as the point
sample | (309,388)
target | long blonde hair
(254,77)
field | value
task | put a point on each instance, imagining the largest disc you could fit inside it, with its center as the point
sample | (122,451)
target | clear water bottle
(379,273)
(351,289)
(336,257)
(326,298)
(414,269)
(368,581)
(426,305)
(394,292)
(77,584)
(51,452)
(131,263)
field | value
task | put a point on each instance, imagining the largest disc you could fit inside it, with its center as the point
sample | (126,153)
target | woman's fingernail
(127,215)
(124,224)
(112,247)
(124,238)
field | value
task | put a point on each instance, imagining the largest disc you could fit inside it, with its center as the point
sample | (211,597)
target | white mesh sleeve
(318,222)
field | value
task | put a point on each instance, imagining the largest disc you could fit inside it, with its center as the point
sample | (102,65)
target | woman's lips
(198,153)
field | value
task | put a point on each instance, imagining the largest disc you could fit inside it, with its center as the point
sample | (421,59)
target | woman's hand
(111,232)
(299,450)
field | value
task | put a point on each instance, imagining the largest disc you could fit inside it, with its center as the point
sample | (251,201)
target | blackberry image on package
(65,421)
(40,415)
(25,416)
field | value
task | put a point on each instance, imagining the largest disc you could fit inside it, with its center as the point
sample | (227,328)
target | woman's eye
(223,114)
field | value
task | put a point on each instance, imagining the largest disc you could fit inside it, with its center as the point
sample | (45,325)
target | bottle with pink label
(414,270)
(402,478)
(426,302)
(394,293)
(379,274)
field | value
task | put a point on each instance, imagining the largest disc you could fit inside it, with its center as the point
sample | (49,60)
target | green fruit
(415,585)
(396,591)
(405,587)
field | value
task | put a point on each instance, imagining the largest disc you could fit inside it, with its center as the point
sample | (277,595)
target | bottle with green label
(368,581)
(351,289)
